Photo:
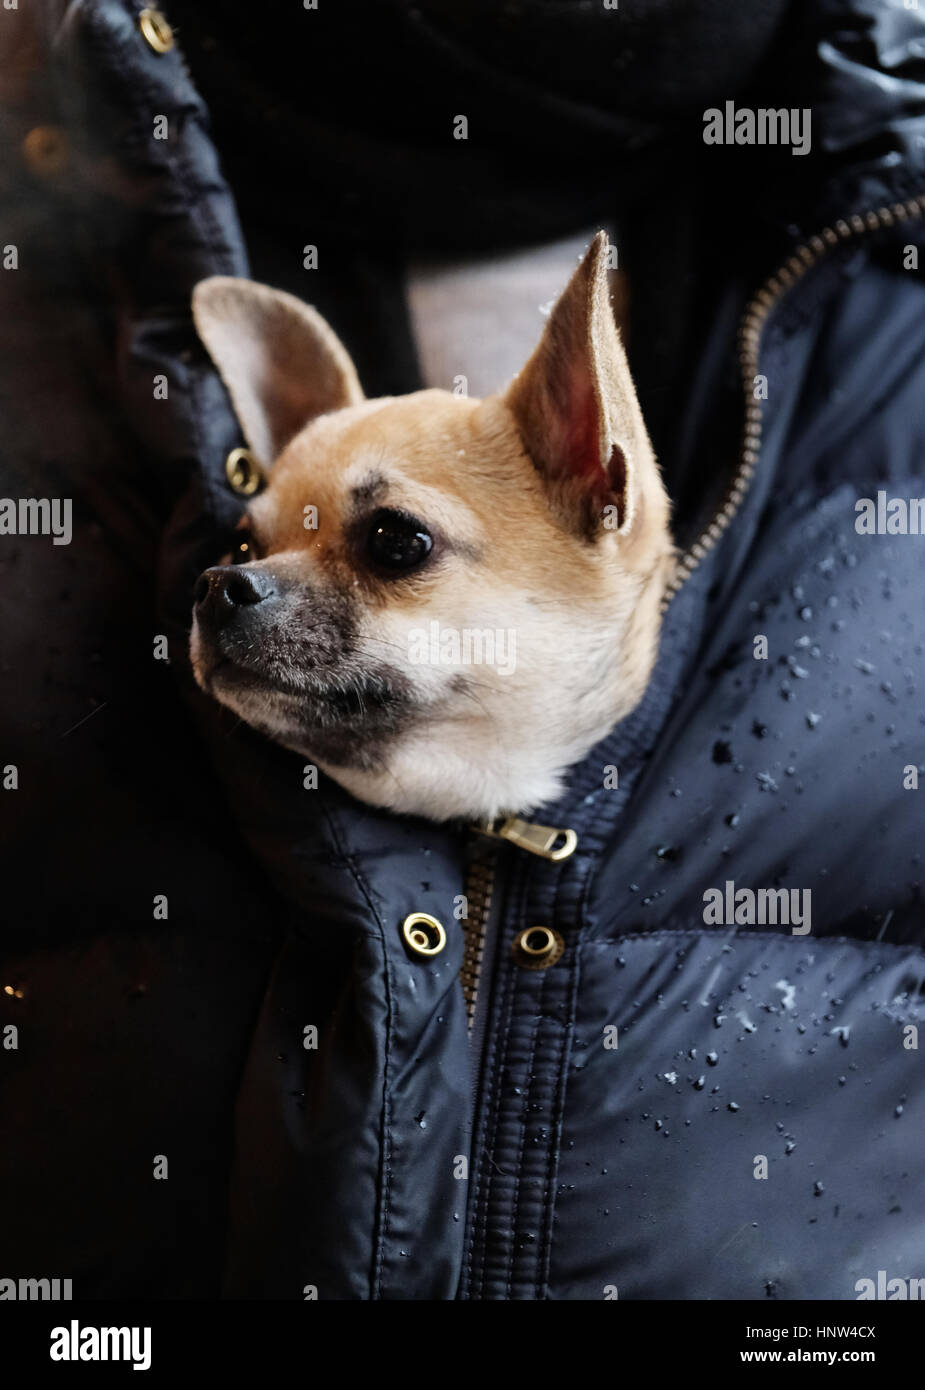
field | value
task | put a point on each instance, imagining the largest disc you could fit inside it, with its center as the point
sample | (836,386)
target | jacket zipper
(555,844)
(480,884)
(807,254)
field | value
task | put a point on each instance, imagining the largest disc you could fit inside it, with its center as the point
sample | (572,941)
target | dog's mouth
(222,672)
(339,715)
(330,699)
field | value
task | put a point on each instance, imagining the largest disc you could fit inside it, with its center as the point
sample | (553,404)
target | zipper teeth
(806,255)
(479,889)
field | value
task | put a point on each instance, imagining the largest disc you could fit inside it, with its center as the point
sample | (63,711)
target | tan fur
(528,550)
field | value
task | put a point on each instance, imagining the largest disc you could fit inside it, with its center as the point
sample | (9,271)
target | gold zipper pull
(545,840)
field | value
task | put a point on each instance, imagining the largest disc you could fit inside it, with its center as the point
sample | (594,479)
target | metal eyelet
(243,472)
(423,934)
(156,32)
(537,948)
(47,150)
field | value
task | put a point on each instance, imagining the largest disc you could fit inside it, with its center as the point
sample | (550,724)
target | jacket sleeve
(133,1021)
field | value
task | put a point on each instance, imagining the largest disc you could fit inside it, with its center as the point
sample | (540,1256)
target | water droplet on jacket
(818,1188)
(712,1058)
(732,820)
(788,991)
(789,1146)
(420,1120)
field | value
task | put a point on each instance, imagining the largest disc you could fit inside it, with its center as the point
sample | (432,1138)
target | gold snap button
(156,31)
(537,948)
(243,472)
(423,934)
(46,150)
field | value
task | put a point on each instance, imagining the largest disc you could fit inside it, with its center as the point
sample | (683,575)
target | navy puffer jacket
(675,1102)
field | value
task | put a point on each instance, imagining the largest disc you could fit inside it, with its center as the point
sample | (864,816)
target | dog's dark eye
(397,541)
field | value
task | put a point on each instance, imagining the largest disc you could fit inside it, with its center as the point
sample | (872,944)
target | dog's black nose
(223,591)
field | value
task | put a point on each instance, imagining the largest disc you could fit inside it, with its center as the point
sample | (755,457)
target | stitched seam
(385,1146)
(544,980)
(480,1211)
(598,943)
(543,1263)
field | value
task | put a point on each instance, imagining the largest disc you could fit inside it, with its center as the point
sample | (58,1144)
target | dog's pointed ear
(282,364)
(577,411)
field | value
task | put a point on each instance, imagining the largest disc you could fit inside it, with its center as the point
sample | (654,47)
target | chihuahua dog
(537,515)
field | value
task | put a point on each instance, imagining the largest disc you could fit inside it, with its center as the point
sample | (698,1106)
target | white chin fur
(441,786)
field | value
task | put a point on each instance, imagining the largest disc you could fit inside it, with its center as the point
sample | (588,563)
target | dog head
(443,602)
